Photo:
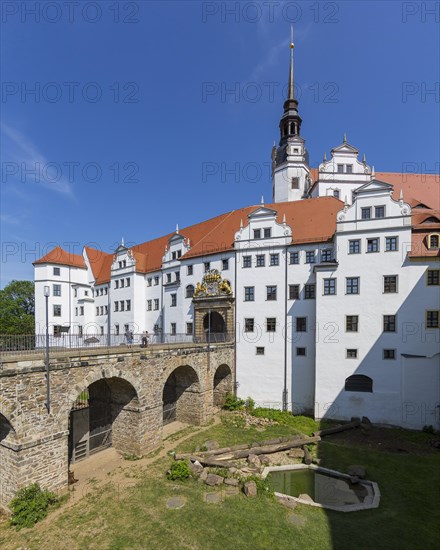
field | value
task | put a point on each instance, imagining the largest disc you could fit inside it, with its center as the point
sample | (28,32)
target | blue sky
(132,126)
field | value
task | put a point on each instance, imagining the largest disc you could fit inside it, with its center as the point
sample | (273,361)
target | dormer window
(257,233)
(340,168)
(295,183)
(433,241)
(379,212)
(336,193)
(366,213)
(349,168)
(267,232)
(168,277)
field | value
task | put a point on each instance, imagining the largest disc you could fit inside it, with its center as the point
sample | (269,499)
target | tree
(17,308)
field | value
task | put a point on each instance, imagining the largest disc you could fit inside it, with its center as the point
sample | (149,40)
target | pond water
(320,487)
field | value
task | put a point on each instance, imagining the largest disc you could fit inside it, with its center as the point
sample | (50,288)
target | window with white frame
(352,285)
(391,244)
(329,287)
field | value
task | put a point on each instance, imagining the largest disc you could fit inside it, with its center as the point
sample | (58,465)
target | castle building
(331,292)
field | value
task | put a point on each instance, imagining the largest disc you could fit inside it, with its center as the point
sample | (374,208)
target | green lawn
(133,514)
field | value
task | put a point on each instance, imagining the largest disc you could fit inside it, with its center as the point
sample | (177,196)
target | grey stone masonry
(34,443)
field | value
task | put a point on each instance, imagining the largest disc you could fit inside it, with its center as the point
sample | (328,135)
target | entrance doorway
(214,326)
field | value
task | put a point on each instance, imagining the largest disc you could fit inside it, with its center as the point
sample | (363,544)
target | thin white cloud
(273,53)
(9,220)
(21,150)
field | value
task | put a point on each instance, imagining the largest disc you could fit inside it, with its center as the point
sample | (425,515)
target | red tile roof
(421,188)
(59,256)
(419,244)
(312,220)
(100,264)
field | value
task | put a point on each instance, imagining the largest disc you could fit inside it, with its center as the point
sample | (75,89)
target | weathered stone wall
(37,447)
(222,385)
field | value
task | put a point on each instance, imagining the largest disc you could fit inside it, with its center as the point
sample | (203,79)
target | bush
(179,471)
(429,429)
(31,505)
(250,405)
(283,417)
(222,472)
(233,403)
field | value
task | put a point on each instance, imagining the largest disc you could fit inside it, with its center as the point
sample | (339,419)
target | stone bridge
(116,397)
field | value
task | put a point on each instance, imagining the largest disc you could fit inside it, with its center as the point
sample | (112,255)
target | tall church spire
(290,160)
(290,123)
(291,87)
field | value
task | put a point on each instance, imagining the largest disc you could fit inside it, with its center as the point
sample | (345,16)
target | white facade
(336,325)
(342,174)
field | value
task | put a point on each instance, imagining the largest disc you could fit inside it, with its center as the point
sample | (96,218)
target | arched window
(189,291)
(359,382)
(433,241)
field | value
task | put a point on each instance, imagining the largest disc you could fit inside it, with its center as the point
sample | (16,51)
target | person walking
(129,338)
(145,339)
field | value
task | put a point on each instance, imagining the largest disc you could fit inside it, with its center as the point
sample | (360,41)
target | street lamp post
(47,294)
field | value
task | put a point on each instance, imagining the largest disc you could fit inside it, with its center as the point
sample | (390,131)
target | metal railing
(30,344)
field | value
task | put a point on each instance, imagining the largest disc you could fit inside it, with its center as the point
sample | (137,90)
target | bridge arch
(105,413)
(182,397)
(8,482)
(222,385)
(95,375)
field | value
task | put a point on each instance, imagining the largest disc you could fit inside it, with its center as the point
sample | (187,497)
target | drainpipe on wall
(285,391)
(162,321)
(234,328)
(109,325)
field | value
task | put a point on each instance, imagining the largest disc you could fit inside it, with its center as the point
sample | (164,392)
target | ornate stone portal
(213,309)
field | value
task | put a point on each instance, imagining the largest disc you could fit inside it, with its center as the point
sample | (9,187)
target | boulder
(250,489)
(254,460)
(295,453)
(354,479)
(196,468)
(214,479)
(203,475)
(306,497)
(356,470)
(289,503)
(264,459)
(231,481)
(211,445)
